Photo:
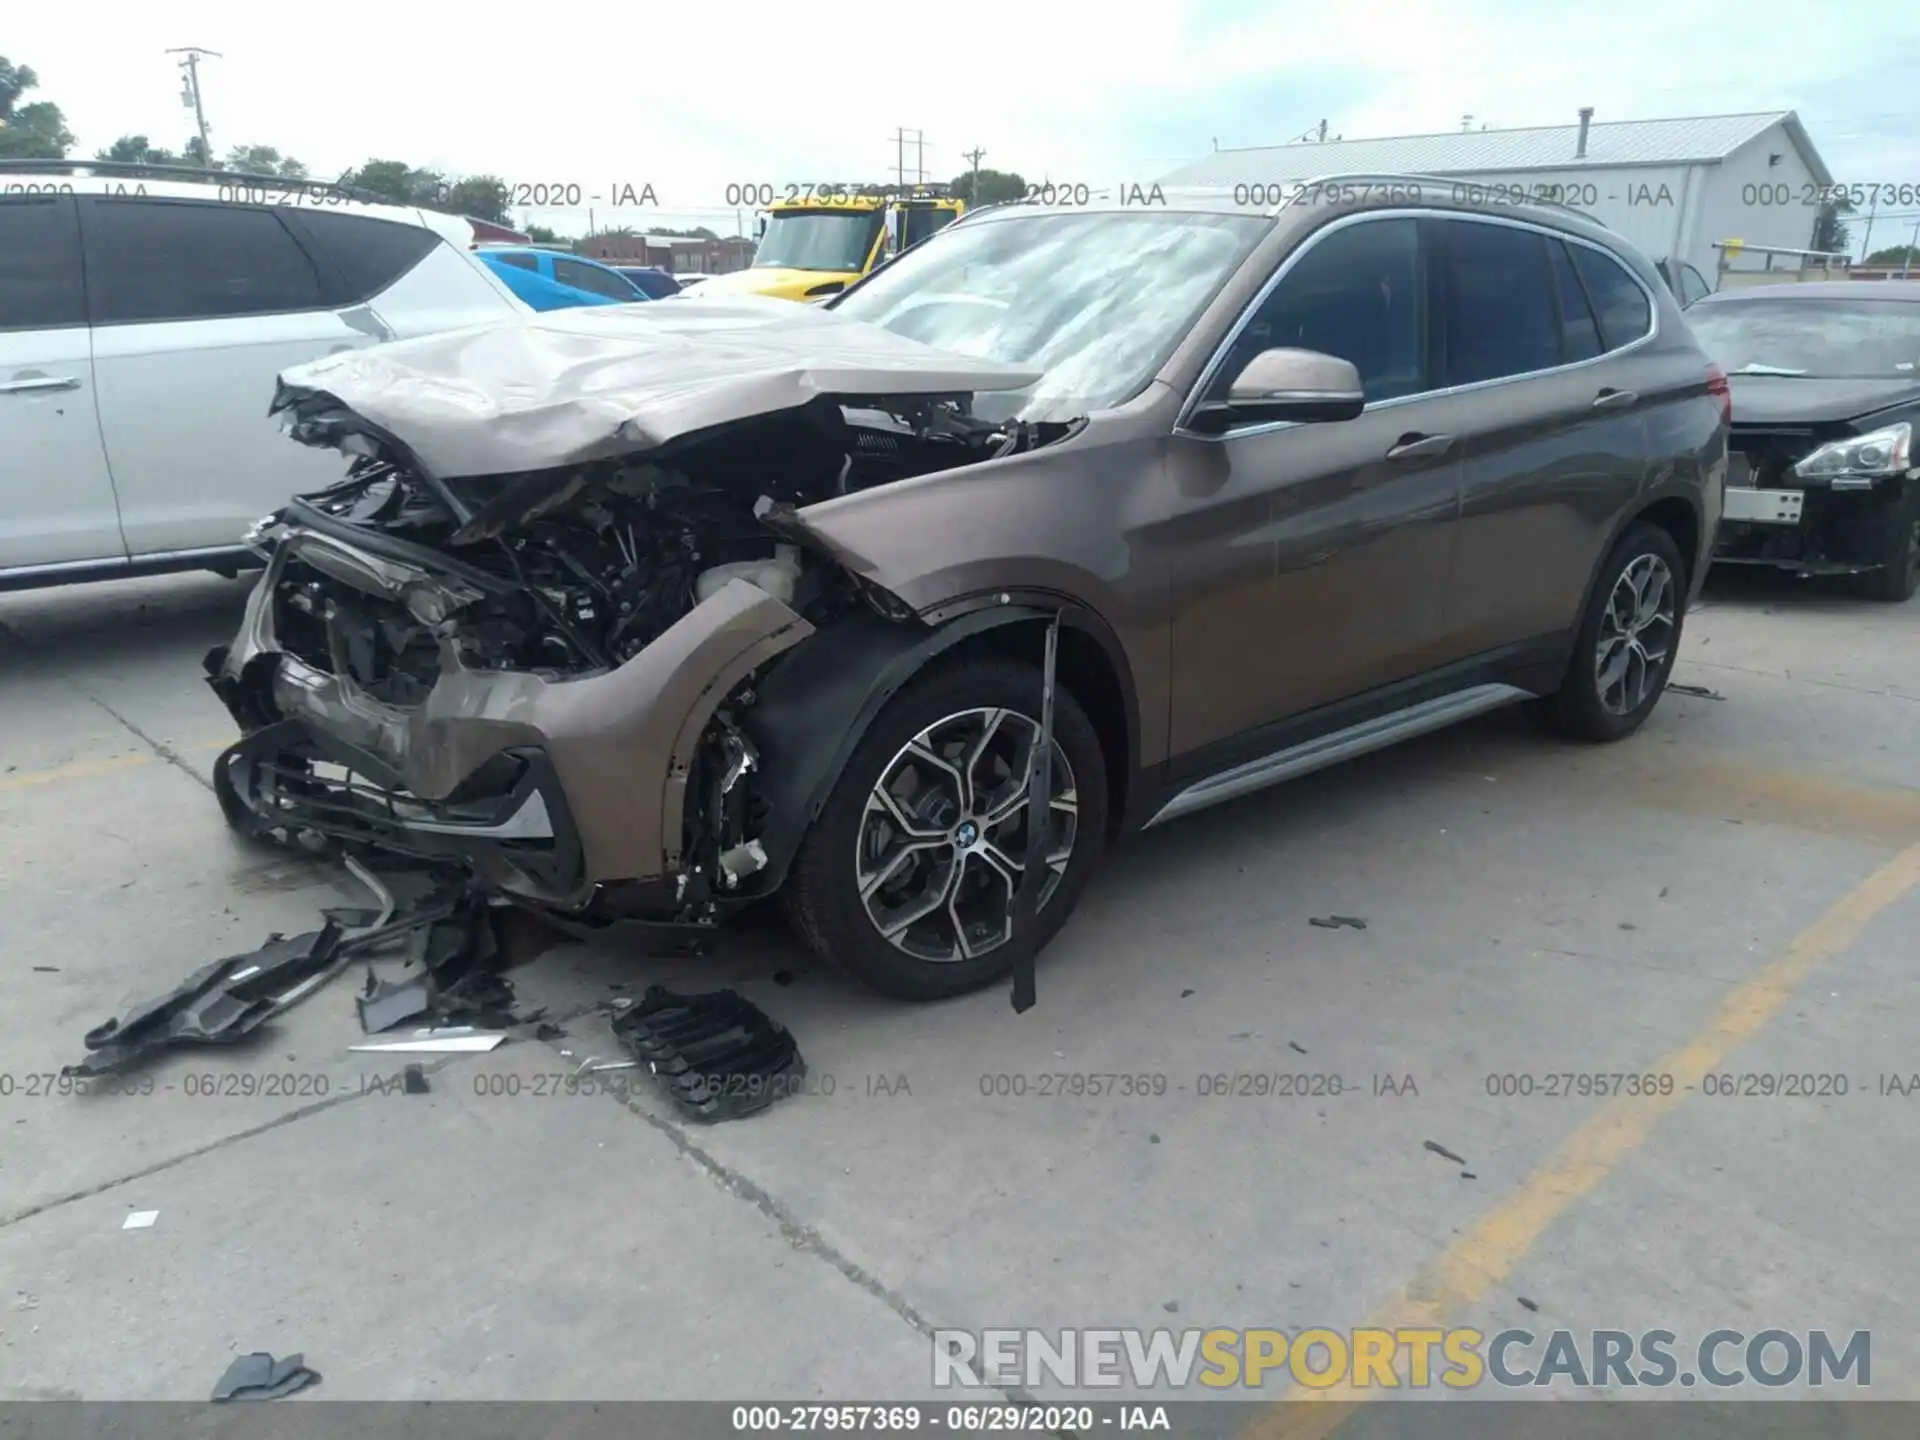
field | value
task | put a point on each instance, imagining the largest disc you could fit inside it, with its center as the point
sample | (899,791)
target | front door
(1311,562)
(56,497)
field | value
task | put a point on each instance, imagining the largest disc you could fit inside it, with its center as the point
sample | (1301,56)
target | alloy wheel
(1636,635)
(943,840)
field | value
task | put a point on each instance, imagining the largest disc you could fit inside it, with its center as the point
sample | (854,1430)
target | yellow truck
(820,239)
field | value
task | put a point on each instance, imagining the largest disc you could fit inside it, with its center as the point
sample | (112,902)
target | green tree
(1829,231)
(399,183)
(1895,255)
(994,186)
(264,160)
(29,132)
(481,196)
(134,149)
(541,235)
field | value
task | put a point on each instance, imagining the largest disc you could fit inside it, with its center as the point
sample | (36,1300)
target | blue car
(548,280)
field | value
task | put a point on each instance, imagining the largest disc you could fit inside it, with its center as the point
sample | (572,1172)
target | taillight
(1719,387)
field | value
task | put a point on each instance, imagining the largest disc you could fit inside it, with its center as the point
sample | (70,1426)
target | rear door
(1312,563)
(1555,432)
(197,305)
(56,497)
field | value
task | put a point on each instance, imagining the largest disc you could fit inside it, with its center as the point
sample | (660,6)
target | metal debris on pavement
(1336,922)
(140,1220)
(452,1039)
(1442,1151)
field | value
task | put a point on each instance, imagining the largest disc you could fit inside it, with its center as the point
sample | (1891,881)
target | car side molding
(1325,750)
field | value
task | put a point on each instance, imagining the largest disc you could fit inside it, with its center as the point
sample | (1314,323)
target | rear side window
(1579,331)
(1617,298)
(358,256)
(593,280)
(1502,318)
(40,264)
(150,260)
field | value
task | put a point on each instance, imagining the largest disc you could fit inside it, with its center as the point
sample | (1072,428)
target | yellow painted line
(82,769)
(1488,1253)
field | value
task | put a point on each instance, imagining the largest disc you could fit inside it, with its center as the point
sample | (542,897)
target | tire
(1895,546)
(1585,709)
(822,895)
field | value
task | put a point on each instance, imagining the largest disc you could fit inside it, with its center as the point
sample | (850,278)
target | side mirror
(1284,384)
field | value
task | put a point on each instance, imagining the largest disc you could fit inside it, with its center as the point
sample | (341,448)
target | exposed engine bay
(562,574)
(591,565)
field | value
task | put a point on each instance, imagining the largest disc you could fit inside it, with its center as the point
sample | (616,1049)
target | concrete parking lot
(1732,892)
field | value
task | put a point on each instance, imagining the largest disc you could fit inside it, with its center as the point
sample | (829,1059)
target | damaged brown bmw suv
(1062,524)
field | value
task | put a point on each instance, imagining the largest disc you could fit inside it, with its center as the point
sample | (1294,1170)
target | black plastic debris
(217,1005)
(415,1080)
(1700,690)
(385,1003)
(719,1056)
(261,1377)
(1437,1148)
(1338,922)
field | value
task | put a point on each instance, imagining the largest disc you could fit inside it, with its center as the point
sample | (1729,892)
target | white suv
(142,323)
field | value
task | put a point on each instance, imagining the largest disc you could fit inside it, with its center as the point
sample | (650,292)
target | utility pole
(190,95)
(1323,132)
(1906,265)
(973,156)
(899,155)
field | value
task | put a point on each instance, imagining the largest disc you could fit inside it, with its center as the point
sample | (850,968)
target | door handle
(1420,447)
(39,382)
(1615,399)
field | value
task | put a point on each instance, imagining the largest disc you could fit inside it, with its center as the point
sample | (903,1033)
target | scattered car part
(140,1220)
(718,1055)
(216,1005)
(451,1040)
(261,1377)
(1337,922)
(416,1079)
(385,1003)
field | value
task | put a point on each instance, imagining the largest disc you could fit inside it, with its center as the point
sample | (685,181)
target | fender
(1697,563)
(816,705)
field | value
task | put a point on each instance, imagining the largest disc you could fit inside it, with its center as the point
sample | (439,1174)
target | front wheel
(1624,652)
(908,877)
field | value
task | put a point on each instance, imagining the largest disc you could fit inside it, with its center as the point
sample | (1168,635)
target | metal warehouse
(1674,188)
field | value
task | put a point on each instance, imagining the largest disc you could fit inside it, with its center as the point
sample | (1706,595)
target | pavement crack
(159,747)
(27,1212)
(795,1231)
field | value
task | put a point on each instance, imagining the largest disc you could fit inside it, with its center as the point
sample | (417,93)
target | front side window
(39,264)
(1502,314)
(1618,301)
(152,260)
(1693,285)
(520,262)
(1355,293)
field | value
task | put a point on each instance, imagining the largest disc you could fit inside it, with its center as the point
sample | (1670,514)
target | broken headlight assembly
(1857,462)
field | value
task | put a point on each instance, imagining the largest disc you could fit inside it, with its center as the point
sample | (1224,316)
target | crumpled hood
(571,386)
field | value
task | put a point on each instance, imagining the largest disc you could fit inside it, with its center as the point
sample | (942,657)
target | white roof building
(1671,187)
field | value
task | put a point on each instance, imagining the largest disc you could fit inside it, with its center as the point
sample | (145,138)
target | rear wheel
(908,877)
(1628,638)
(1896,549)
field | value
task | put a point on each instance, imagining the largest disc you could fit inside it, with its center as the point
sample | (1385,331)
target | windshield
(818,240)
(1097,300)
(1841,339)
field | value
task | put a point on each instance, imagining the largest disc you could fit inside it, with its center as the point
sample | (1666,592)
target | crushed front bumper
(549,786)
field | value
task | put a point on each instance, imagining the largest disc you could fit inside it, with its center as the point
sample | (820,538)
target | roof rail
(1513,192)
(140,169)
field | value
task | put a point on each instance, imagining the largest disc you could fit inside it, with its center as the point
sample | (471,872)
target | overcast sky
(689,98)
